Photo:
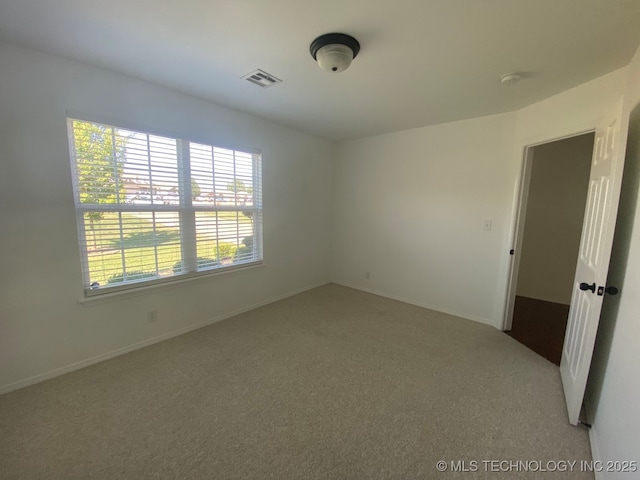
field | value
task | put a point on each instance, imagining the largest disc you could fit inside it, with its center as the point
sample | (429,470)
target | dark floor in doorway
(540,325)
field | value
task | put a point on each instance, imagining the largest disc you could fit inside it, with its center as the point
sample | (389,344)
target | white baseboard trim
(595,450)
(145,343)
(485,321)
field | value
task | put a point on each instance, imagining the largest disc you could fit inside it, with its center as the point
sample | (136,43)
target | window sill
(137,291)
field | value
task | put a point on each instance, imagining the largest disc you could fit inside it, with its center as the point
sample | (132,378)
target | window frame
(185,209)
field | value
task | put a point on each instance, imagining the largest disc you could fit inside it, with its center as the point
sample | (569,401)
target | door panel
(593,259)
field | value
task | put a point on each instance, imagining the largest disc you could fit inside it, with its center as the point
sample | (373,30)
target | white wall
(409,207)
(570,112)
(555,211)
(43,328)
(613,393)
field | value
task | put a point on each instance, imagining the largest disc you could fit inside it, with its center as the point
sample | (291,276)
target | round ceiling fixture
(510,78)
(334,51)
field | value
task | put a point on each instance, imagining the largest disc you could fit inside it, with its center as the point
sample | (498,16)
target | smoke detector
(510,78)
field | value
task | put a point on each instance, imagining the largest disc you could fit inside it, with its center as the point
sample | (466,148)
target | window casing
(153,209)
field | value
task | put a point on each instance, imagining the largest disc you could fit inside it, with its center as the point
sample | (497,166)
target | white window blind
(151,208)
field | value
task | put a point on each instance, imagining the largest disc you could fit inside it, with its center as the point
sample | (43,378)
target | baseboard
(595,450)
(485,321)
(145,343)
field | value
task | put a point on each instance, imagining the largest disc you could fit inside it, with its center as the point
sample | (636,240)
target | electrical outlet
(487,226)
(367,275)
(152,316)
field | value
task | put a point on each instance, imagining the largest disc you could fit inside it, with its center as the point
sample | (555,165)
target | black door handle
(586,286)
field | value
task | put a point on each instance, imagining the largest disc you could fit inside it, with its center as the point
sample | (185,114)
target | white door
(593,258)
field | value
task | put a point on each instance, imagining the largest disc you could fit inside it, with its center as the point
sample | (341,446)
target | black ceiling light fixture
(334,51)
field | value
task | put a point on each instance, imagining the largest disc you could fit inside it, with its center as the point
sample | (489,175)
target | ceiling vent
(261,78)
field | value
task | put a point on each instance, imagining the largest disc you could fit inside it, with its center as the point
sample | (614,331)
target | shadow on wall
(618,265)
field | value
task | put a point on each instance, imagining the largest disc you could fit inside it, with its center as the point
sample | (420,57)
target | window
(151,209)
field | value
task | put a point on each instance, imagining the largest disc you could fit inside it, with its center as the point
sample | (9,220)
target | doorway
(552,205)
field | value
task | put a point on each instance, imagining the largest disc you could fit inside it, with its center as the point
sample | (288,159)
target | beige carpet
(330,384)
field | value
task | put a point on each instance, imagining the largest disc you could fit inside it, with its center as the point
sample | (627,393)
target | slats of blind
(221,176)
(226,238)
(135,225)
(150,173)
(130,247)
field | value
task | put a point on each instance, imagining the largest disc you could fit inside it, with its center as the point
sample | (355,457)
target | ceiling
(422,62)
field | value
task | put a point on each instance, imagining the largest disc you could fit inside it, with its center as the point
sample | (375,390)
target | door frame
(517,234)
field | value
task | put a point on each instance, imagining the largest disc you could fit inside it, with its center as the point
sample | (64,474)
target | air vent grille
(261,78)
